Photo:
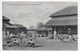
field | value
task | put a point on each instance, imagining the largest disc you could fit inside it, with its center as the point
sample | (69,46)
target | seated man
(31,42)
(16,42)
(9,42)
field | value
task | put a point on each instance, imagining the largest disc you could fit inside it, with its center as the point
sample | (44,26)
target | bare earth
(47,44)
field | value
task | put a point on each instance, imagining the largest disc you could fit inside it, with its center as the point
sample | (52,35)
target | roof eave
(63,15)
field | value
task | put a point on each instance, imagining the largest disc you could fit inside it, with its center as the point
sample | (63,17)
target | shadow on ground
(39,46)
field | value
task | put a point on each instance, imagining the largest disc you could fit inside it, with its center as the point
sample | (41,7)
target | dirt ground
(47,44)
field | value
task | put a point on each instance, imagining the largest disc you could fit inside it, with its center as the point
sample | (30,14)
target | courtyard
(47,44)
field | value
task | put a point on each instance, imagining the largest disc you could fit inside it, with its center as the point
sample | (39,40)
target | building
(7,27)
(21,28)
(63,21)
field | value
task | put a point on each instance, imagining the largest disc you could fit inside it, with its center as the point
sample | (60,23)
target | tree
(32,27)
(40,25)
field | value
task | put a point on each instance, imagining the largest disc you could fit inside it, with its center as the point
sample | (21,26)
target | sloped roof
(8,26)
(5,18)
(62,21)
(66,11)
(19,25)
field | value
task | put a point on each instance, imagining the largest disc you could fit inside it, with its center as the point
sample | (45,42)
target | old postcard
(39,25)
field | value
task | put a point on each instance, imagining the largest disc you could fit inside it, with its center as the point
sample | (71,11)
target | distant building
(39,31)
(21,28)
(64,20)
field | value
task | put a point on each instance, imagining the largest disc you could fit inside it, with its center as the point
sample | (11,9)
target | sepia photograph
(39,25)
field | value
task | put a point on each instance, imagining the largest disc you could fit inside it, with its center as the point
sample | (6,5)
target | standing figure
(69,31)
(55,33)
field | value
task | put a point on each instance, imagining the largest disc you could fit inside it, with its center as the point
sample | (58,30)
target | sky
(31,13)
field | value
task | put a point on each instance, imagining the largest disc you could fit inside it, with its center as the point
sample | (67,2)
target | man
(31,42)
(55,33)
(69,31)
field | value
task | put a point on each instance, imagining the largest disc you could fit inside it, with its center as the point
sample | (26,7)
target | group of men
(19,39)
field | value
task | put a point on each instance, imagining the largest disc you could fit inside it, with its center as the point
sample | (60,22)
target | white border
(38,1)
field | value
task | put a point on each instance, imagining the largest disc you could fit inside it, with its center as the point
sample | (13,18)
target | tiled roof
(66,11)
(5,18)
(62,21)
(18,25)
(8,26)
